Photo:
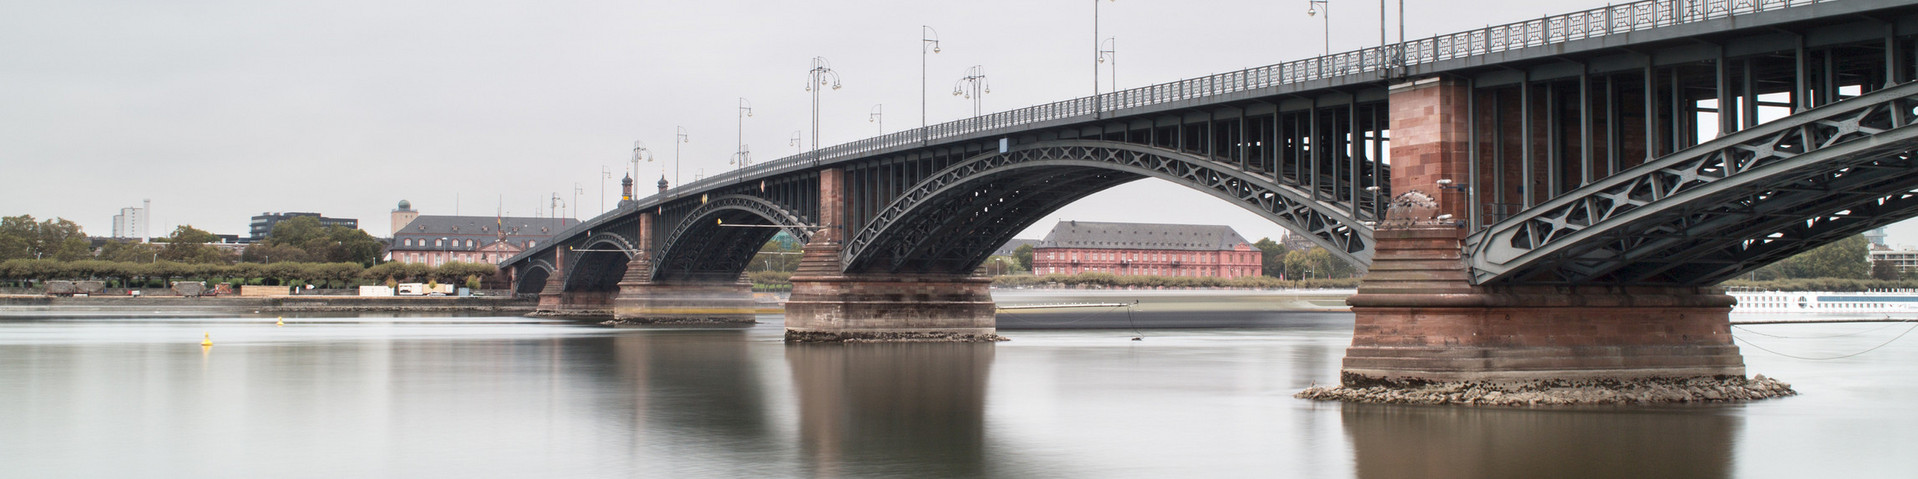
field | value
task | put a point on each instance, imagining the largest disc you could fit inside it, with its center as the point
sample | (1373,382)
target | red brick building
(1136,249)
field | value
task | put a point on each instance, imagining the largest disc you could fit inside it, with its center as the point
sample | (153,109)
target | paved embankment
(20,305)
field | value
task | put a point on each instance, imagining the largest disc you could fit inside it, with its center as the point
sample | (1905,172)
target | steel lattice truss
(700,248)
(1710,212)
(951,221)
(529,282)
(602,263)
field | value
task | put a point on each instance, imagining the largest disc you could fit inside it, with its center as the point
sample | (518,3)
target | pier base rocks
(1587,392)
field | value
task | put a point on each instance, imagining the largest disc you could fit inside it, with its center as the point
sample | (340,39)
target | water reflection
(677,395)
(1448,442)
(892,410)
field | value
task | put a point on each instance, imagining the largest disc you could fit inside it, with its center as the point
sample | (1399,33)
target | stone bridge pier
(643,300)
(1419,317)
(830,304)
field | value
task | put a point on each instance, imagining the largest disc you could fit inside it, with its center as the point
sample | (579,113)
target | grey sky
(220,110)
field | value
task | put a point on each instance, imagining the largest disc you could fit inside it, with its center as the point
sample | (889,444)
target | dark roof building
(1143,249)
(1013,246)
(436,239)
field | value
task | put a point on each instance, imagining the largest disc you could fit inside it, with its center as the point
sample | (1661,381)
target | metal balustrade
(1597,22)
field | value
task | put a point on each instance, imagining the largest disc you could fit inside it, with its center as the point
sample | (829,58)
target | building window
(407,242)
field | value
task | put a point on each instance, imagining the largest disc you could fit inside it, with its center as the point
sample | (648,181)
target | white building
(132,222)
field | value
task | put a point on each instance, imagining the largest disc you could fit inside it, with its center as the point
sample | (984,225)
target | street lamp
(816,79)
(1109,54)
(605,173)
(641,153)
(794,142)
(1095,47)
(878,115)
(1312,8)
(745,110)
(681,139)
(973,86)
(928,42)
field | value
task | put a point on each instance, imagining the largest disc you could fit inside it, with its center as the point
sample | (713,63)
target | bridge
(1549,198)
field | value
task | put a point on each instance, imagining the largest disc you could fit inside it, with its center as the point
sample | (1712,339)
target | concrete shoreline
(17,304)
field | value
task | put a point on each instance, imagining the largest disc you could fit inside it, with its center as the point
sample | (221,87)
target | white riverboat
(1819,302)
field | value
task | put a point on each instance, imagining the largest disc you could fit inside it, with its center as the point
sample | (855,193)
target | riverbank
(22,305)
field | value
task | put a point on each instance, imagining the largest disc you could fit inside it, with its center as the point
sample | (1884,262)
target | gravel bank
(1562,393)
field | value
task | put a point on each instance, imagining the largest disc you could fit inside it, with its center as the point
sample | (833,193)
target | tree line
(160,273)
(298,250)
(298,240)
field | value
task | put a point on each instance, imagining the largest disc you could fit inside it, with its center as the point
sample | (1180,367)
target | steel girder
(699,248)
(599,263)
(973,206)
(525,286)
(1709,212)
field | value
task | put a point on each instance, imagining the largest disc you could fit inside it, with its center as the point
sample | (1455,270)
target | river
(125,395)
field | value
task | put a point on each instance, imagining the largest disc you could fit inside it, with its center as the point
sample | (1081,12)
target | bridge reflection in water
(892,409)
(1453,442)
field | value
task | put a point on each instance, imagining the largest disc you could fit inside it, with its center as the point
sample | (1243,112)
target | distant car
(436,293)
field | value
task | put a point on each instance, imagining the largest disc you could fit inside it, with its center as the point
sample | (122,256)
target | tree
(1272,255)
(16,237)
(1295,265)
(269,252)
(1024,254)
(776,256)
(189,245)
(1885,270)
(303,239)
(57,239)
(1845,258)
(129,251)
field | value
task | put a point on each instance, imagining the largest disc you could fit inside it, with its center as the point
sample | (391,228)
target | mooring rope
(1873,348)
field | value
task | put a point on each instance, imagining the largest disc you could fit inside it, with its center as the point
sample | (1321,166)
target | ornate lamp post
(1312,8)
(681,139)
(1109,55)
(1095,47)
(821,75)
(794,142)
(878,115)
(928,42)
(739,156)
(973,86)
(641,153)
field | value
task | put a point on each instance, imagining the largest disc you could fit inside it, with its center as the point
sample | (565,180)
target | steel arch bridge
(1590,137)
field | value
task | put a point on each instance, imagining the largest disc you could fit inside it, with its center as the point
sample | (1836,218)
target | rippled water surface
(510,397)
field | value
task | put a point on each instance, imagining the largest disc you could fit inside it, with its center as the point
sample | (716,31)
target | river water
(123,395)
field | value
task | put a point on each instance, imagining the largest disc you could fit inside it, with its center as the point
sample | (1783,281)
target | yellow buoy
(208,341)
(279,321)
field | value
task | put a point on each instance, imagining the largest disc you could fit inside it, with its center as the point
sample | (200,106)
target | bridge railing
(1597,22)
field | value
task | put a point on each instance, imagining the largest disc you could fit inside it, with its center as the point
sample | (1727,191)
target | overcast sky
(221,110)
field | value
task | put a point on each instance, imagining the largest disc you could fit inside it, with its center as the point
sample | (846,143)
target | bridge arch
(600,263)
(1724,207)
(532,276)
(951,221)
(715,241)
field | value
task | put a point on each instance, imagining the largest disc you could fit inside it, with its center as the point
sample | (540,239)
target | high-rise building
(132,222)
